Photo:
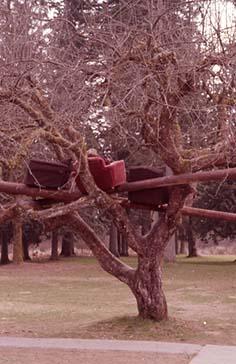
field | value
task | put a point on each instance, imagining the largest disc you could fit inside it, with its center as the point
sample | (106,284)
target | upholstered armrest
(106,176)
(118,174)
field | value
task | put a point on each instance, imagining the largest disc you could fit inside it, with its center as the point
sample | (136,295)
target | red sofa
(106,176)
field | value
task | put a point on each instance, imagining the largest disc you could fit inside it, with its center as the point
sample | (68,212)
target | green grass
(75,298)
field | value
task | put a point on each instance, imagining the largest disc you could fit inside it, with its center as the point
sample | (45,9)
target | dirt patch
(46,356)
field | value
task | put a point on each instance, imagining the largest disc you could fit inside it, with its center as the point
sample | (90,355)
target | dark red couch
(45,174)
(150,197)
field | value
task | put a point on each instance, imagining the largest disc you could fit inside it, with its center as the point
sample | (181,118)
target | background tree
(54,245)
(220,197)
(5,235)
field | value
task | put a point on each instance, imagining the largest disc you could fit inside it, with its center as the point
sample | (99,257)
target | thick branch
(165,226)
(211,214)
(59,211)
(21,189)
(181,179)
(106,259)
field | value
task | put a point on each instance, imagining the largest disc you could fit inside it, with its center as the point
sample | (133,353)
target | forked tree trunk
(145,281)
(148,290)
(147,287)
(17,242)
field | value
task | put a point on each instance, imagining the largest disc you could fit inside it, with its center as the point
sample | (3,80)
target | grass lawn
(75,298)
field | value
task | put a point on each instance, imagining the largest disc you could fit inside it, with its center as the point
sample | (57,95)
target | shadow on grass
(208,260)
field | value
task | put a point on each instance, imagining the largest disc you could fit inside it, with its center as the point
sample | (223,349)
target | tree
(220,197)
(145,69)
(54,245)
(17,242)
(67,249)
(5,235)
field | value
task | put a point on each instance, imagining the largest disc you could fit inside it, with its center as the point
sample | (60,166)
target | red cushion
(106,176)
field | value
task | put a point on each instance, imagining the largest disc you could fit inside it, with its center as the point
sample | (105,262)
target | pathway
(208,354)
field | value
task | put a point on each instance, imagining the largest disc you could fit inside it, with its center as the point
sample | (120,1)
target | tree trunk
(170,251)
(181,238)
(54,245)
(177,243)
(123,245)
(192,248)
(26,244)
(4,247)
(4,237)
(147,286)
(17,242)
(67,249)
(148,290)
(182,249)
(146,222)
(113,240)
(146,281)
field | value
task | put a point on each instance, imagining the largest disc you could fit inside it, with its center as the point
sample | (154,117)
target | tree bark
(54,245)
(181,237)
(146,222)
(123,245)
(67,249)
(192,248)
(146,281)
(182,249)
(147,289)
(26,244)
(113,240)
(14,188)
(4,248)
(17,242)
(170,250)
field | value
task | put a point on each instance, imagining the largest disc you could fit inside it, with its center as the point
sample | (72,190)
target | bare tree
(152,72)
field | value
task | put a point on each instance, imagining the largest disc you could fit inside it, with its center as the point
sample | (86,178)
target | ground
(75,298)
(50,356)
